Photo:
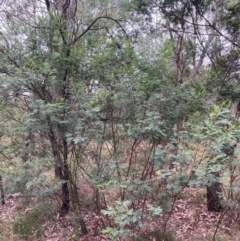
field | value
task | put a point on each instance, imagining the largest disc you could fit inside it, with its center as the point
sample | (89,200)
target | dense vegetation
(114,111)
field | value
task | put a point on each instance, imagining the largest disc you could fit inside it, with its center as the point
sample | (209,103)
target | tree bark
(214,189)
(2,191)
(61,169)
(214,194)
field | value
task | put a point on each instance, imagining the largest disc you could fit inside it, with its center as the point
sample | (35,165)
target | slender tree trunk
(65,177)
(28,146)
(61,169)
(57,137)
(62,127)
(214,189)
(76,205)
(2,191)
(65,197)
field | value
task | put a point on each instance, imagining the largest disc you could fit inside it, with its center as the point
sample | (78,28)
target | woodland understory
(120,120)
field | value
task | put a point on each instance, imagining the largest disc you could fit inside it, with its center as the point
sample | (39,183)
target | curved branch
(220,33)
(207,25)
(89,27)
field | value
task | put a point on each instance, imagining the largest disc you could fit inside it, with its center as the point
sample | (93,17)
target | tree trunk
(214,194)
(65,198)
(61,169)
(2,191)
(65,178)
(214,189)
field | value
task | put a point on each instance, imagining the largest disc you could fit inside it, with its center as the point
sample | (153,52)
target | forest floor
(189,220)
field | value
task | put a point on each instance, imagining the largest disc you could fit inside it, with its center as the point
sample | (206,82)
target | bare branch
(89,27)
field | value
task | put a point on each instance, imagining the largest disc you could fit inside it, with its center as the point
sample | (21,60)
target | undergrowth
(158,235)
(30,224)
